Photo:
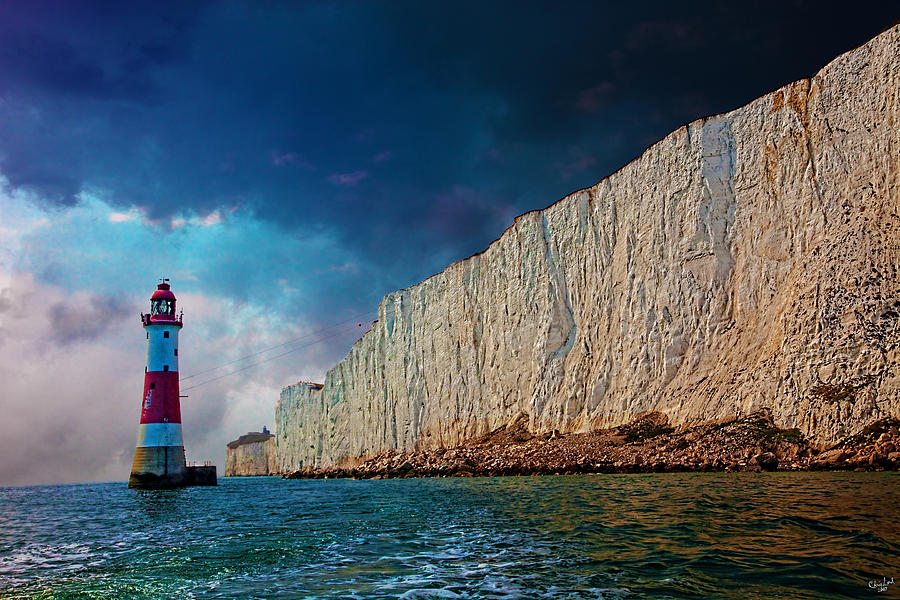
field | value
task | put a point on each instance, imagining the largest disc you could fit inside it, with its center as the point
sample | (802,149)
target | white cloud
(213,218)
(120,217)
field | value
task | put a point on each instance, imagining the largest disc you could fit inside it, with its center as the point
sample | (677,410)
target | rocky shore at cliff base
(648,444)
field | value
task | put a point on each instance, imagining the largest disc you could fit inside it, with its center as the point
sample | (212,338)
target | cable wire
(302,337)
(256,364)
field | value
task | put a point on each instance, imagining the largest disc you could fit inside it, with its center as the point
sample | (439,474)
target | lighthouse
(159,457)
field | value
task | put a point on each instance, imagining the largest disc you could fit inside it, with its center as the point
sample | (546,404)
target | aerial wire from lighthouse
(251,365)
(291,351)
(264,350)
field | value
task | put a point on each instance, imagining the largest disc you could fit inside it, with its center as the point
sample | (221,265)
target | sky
(286,165)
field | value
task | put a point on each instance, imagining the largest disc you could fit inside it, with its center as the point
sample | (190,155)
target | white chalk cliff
(252,454)
(747,260)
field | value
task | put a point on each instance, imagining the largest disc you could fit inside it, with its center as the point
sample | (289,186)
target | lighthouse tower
(159,456)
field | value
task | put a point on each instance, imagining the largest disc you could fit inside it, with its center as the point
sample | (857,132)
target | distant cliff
(746,261)
(251,454)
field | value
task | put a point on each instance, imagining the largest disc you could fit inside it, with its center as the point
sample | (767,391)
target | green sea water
(711,535)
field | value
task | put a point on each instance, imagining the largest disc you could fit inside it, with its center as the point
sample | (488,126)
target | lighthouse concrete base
(188,477)
(202,475)
(164,467)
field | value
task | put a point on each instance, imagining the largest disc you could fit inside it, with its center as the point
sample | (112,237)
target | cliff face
(250,455)
(746,261)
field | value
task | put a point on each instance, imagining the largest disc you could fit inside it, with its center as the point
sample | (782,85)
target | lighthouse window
(176,351)
(165,367)
(165,334)
(152,385)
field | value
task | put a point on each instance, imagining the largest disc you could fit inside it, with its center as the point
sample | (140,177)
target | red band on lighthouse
(161,402)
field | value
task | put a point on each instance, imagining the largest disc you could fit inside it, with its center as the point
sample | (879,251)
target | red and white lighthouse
(159,456)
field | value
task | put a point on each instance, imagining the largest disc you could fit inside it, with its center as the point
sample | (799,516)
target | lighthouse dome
(163,292)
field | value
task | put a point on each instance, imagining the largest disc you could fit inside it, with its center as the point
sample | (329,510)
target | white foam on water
(429,593)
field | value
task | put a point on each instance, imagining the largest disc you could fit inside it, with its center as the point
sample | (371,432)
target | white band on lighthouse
(161,349)
(160,434)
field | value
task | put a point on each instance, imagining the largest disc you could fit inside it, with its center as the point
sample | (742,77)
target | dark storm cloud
(102,49)
(73,79)
(6,302)
(86,318)
(368,118)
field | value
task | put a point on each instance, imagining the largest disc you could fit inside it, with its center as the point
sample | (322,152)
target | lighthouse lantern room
(159,457)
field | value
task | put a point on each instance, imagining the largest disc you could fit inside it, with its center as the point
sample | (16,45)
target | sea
(701,535)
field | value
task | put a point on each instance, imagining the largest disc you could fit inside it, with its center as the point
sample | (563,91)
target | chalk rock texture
(746,261)
(250,455)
